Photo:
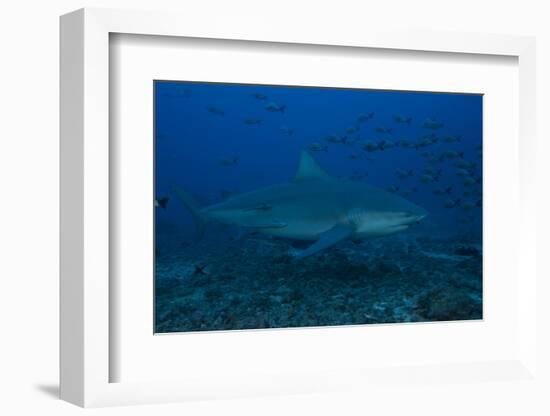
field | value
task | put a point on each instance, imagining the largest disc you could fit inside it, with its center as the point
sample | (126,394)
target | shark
(314,206)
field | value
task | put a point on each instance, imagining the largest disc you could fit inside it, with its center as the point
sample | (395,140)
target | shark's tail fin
(194,207)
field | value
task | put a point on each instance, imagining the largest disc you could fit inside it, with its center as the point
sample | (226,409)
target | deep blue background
(190,141)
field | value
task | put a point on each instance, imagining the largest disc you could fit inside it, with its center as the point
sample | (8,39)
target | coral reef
(253,283)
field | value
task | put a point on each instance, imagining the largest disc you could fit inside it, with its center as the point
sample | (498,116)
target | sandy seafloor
(252,282)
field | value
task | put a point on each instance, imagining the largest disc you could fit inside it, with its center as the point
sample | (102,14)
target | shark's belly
(301,230)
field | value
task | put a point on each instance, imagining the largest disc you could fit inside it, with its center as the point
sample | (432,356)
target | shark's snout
(413,217)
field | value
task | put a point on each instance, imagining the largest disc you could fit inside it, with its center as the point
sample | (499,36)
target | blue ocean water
(215,140)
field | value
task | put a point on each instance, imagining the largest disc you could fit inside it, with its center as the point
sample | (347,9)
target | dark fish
(370,146)
(275,108)
(403,174)
(451,139)
(393,188)
(200,270)
(316,147)
(453,155)
(429,179)
(462,172)
(383,130)
(215,111)
(401,119)
(403,143)
(259,96)
(365,117)
(385,144)
(464,164)
(161,202)
(426,140)
(335,139)
(286,130)
(467,206)
(428,170)
(252,121)
(432,124)
(229,162)
(353,129)
(451,203)
(472,192)
(471,181)
(443,191)
(358,176)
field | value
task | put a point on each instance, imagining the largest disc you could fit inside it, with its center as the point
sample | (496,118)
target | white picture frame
(85,211)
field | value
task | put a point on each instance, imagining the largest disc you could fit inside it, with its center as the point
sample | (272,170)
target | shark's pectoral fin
(327,239)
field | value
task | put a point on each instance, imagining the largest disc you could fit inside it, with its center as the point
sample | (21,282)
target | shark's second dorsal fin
(308,168)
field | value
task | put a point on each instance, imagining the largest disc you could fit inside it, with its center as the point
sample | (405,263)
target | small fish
(335,139)
(472,192)
(453,155)
(353,129)
(402,119)
(471,181)
(365,117)
(429,179)
(464,164)
(275,108)
(358,176)
(179,93)
(385,144)
(432,124)
(215,111)
(252,121)
(229,162)
(425,141)
(259,96)
(383,130)
(451,203)
(393,188)
(161,202)
(370,146)
(403,143)
(443,191)
(354,157)
(428,170)
(348,141)
(462,172)
(451,139)
(286,130)
(467,206)
(200,270)
(316,147)
(403,174)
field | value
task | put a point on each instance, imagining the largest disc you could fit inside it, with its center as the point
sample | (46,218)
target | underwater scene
(290,206)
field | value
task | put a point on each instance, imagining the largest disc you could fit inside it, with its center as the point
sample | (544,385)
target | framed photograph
(279,213)
(311,207)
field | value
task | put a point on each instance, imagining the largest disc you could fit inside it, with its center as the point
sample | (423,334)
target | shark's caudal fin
(308,168)
(194,207)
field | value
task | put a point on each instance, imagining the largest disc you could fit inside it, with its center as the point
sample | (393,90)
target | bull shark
(314,206)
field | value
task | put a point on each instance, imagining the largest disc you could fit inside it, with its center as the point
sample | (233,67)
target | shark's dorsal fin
(308,168)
